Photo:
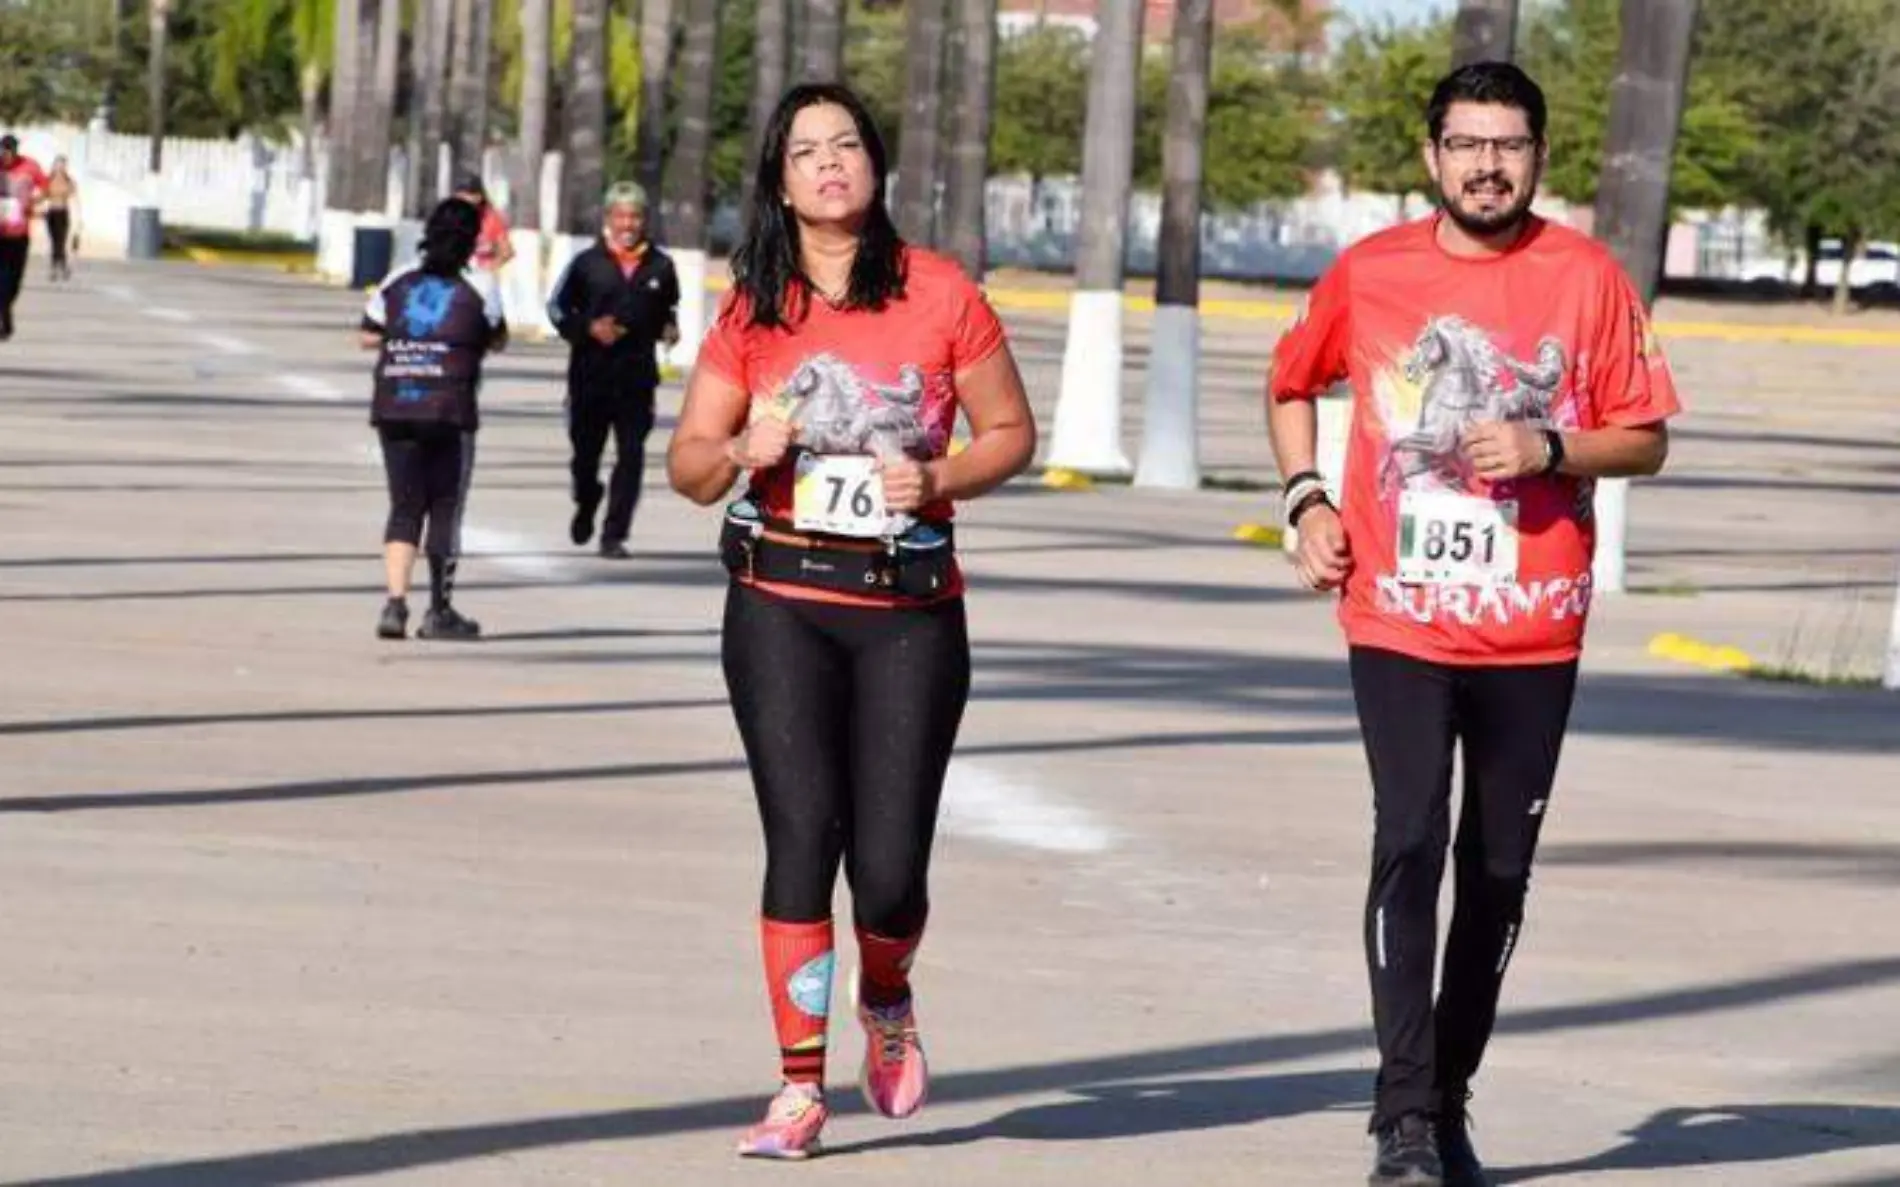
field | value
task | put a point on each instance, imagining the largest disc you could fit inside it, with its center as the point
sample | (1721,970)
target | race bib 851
(1451,539)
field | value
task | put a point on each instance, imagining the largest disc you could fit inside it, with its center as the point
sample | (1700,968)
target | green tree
(1383,77)
(1041,103)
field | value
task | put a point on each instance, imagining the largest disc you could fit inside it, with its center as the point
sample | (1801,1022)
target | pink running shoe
(791,1125)
(896,1078)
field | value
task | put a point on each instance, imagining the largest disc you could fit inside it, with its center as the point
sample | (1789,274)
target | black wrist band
(1307,504)
(1554,440)
(1302,476)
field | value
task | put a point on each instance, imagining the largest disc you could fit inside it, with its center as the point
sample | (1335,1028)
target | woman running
(833,378)
(59,199)
(432,323)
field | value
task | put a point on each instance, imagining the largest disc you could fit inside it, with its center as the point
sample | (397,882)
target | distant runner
(21,180)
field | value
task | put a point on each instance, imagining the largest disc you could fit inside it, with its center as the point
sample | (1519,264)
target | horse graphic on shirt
(840,412)
(1466,379)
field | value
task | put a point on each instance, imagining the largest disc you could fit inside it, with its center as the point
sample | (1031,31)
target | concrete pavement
(286,905)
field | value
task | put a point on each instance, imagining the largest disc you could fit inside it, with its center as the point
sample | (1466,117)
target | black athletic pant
(428,468)
(593,413)
(848,716)
(1510,722)
(12,272)
(59,224)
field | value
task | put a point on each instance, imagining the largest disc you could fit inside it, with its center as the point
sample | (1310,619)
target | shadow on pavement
(1730,1135)
(1110,1099)
(1876,863)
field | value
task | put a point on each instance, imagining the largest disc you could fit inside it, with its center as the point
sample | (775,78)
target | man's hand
(670,335)
(605,330)
(1500,450)
(1324,557)
(908,483)
(763,444)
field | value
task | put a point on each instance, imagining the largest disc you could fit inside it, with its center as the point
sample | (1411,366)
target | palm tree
(965,230)
(161,15)
(1485,31)
(380,111)
(1632,207)
(535,68)
(586,109)
(917,158)
(821,56)
(769,84)
(344,87)
(469,83)
(685,186)
(310,30)
(429,104)
(1088,420)
(1170,441)
(656,52)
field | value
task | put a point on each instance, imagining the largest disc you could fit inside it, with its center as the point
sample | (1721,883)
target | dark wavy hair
(766,269)
(1501,83)
(448,238)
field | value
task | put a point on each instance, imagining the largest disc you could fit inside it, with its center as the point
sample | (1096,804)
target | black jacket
(645,303)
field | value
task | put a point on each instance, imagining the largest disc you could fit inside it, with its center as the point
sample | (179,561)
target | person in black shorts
(431,324)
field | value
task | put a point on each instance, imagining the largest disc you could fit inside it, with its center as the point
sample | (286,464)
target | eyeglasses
(1510,148)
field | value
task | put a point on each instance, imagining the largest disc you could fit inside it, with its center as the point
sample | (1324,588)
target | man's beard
(1494,221)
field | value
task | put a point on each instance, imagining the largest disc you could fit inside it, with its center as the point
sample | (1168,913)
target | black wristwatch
(1553,441)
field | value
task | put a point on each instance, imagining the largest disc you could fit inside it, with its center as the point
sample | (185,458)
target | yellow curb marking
(1057,478)
(1260,533)
(1696,653)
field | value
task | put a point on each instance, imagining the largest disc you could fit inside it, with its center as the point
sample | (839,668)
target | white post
(1334,410)
(1891,679)
(1609,571)
(1088,420)
(690,263)
(523,286)
(1170,440)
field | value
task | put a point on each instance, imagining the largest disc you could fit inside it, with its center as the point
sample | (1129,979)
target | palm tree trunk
(1088,420)
(1170,449)
(585,162)
(768,87)
(381,113)
(310,93)
(155,83)
(1632,208)
(535,67)
(917,159)
(656,54)
(482,84)
(821,56)
(685,187)
(362,47)
(461,86)
(344,89)
(431,86)
(1485,31)
(974,82)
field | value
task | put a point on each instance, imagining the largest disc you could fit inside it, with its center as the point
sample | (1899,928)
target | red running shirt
(1550,332)
(868,381)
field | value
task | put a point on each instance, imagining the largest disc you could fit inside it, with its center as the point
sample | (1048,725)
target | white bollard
(1891,679)
(1170,431)
(524,288)
(691,265)
(1334,410)
(1609,571)
(1088,423)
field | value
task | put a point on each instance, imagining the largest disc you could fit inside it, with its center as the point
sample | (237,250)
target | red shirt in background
(20,186)
(491,237)
(863,382)
(1550,332)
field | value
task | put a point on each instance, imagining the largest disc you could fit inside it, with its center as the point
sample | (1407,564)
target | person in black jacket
(431,325)
(614,303)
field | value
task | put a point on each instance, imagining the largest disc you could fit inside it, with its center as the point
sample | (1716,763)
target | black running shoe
(616,551)
(581,528)
(447,623)
(1455,1151)
(1407,1155)
(394,623)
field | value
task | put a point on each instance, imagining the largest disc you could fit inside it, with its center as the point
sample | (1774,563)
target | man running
(1499,365)
(614,303)
(21,181)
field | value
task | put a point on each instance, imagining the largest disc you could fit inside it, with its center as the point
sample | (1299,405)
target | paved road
(284,905)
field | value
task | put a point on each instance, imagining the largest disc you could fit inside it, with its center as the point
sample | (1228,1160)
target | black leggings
(428,468)
(59,223)
(848,716)
(1511,722)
